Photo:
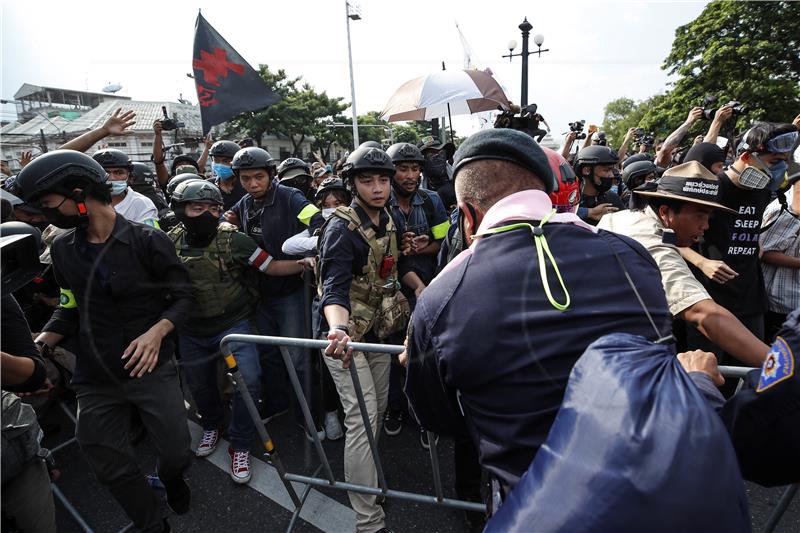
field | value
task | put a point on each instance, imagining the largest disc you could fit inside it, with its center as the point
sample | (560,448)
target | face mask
(204,225)
(60,220)
(435,167)
(223,172)
(614,189)
(778,171)
(327,212)
(118,187)
(605,185)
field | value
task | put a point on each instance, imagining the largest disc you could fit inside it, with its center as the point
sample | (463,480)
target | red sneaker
(240,466)
(208,443)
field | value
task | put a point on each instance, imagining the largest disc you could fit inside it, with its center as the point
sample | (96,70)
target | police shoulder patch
(777,367)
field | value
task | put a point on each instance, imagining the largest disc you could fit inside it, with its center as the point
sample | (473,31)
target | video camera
(168,124)
(19,255)
(577,127)
(600,138)
(526,122)
(709,111)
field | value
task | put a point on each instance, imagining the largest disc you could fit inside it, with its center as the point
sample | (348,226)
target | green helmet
(196,191)
(173,183)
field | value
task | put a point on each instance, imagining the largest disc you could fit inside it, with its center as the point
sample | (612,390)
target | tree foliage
(297,116)
(745,51)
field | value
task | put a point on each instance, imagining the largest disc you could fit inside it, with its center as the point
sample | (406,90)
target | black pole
(526,28)
(42,140)
(449,116)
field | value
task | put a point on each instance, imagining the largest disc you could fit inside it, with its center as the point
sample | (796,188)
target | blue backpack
(633,448)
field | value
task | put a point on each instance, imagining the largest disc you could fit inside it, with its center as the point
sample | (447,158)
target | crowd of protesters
(147,266)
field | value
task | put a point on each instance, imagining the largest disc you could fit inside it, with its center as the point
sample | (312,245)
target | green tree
(624,113)
(295,117)
(745,51)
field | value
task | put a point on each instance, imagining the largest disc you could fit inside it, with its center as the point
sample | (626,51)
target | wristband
(44,349)
(342,328)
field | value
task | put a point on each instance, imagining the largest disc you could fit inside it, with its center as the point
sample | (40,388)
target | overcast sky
(599,50)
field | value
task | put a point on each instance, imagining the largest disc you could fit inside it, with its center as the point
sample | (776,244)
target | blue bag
(633,448)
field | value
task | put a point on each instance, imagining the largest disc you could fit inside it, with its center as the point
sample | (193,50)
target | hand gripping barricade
(329,481)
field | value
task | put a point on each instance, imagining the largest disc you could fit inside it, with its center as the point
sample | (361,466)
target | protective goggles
(783,143)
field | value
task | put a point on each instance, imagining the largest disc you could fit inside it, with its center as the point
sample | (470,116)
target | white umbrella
(463,91)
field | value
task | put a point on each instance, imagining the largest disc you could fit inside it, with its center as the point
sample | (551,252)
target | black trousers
(104,420)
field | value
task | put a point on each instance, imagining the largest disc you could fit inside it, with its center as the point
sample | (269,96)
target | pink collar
(524,205)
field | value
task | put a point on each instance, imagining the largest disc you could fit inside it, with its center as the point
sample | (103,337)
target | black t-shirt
(733,238)
(229,199)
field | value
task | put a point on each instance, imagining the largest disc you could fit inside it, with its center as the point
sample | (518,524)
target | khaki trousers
(359,467)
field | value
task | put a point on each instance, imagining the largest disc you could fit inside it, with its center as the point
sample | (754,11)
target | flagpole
(352,83)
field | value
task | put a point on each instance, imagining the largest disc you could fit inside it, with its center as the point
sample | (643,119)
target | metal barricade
(310,481)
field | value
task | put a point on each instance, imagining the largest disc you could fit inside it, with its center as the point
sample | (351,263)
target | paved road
(220,505)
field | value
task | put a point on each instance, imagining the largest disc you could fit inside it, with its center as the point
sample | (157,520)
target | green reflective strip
(151,222)
(542,250)
(440,230)
(67,300)
(307,214)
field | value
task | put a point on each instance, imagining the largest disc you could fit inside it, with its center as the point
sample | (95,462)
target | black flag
(226,84)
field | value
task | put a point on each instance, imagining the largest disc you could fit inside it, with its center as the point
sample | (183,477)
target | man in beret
(496,334)
(676,214)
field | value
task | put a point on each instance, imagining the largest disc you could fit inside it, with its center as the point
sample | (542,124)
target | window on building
(146,143)
(117,145)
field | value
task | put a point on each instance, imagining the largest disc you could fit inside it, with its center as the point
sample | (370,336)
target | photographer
(720,118)
(27,503)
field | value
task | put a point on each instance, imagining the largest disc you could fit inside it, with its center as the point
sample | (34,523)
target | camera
(600,138)
(168,124)
(640,136)
(577,127)
(709,111)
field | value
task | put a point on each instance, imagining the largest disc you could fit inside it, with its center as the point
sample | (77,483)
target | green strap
(542,249)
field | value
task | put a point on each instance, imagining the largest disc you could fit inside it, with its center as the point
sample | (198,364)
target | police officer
(222,153)
(123,291)
(132,205)
(497,332)
(421,220)
(217,257)
(270,213)
(595,166)
(296,173)
(358,276)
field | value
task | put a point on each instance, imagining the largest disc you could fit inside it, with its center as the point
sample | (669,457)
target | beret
(506,145)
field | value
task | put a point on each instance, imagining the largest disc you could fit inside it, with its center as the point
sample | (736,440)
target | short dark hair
(655,202)
(484,182)
(755,138)
(98,191)
(338,194)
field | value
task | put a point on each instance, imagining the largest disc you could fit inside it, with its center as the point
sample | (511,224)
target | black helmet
(181,160)
(252,157)
(293,167)
(58,171)
(196,191)
(224,149)
(634,159)
(635,170)
(180,178)
(596,155)
(368,158)
(113,158)
(370,144)
(402,152)
(142,175)
(331,184)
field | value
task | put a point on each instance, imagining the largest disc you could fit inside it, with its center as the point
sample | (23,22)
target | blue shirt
(282,213)
(430,220)
(485,331)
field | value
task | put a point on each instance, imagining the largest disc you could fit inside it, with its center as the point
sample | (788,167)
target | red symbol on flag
(206,96)
(215,66)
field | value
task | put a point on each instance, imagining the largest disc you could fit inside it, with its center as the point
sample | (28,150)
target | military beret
(506,145)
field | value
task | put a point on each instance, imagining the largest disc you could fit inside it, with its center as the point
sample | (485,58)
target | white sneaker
(333,429)
(208,443)
(240,466)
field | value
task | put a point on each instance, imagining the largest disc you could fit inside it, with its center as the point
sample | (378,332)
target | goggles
(783,143)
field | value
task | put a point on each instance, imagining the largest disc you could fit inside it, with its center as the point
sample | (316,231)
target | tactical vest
(376,304)
(218,282)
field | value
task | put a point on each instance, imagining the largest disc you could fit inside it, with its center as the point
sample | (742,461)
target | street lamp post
(526,28)
(354,15)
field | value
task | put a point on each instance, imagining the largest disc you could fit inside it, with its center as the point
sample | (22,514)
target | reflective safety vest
(218,283)
(376,304)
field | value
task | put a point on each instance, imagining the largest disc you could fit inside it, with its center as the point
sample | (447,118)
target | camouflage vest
(375,303)
(218,283)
